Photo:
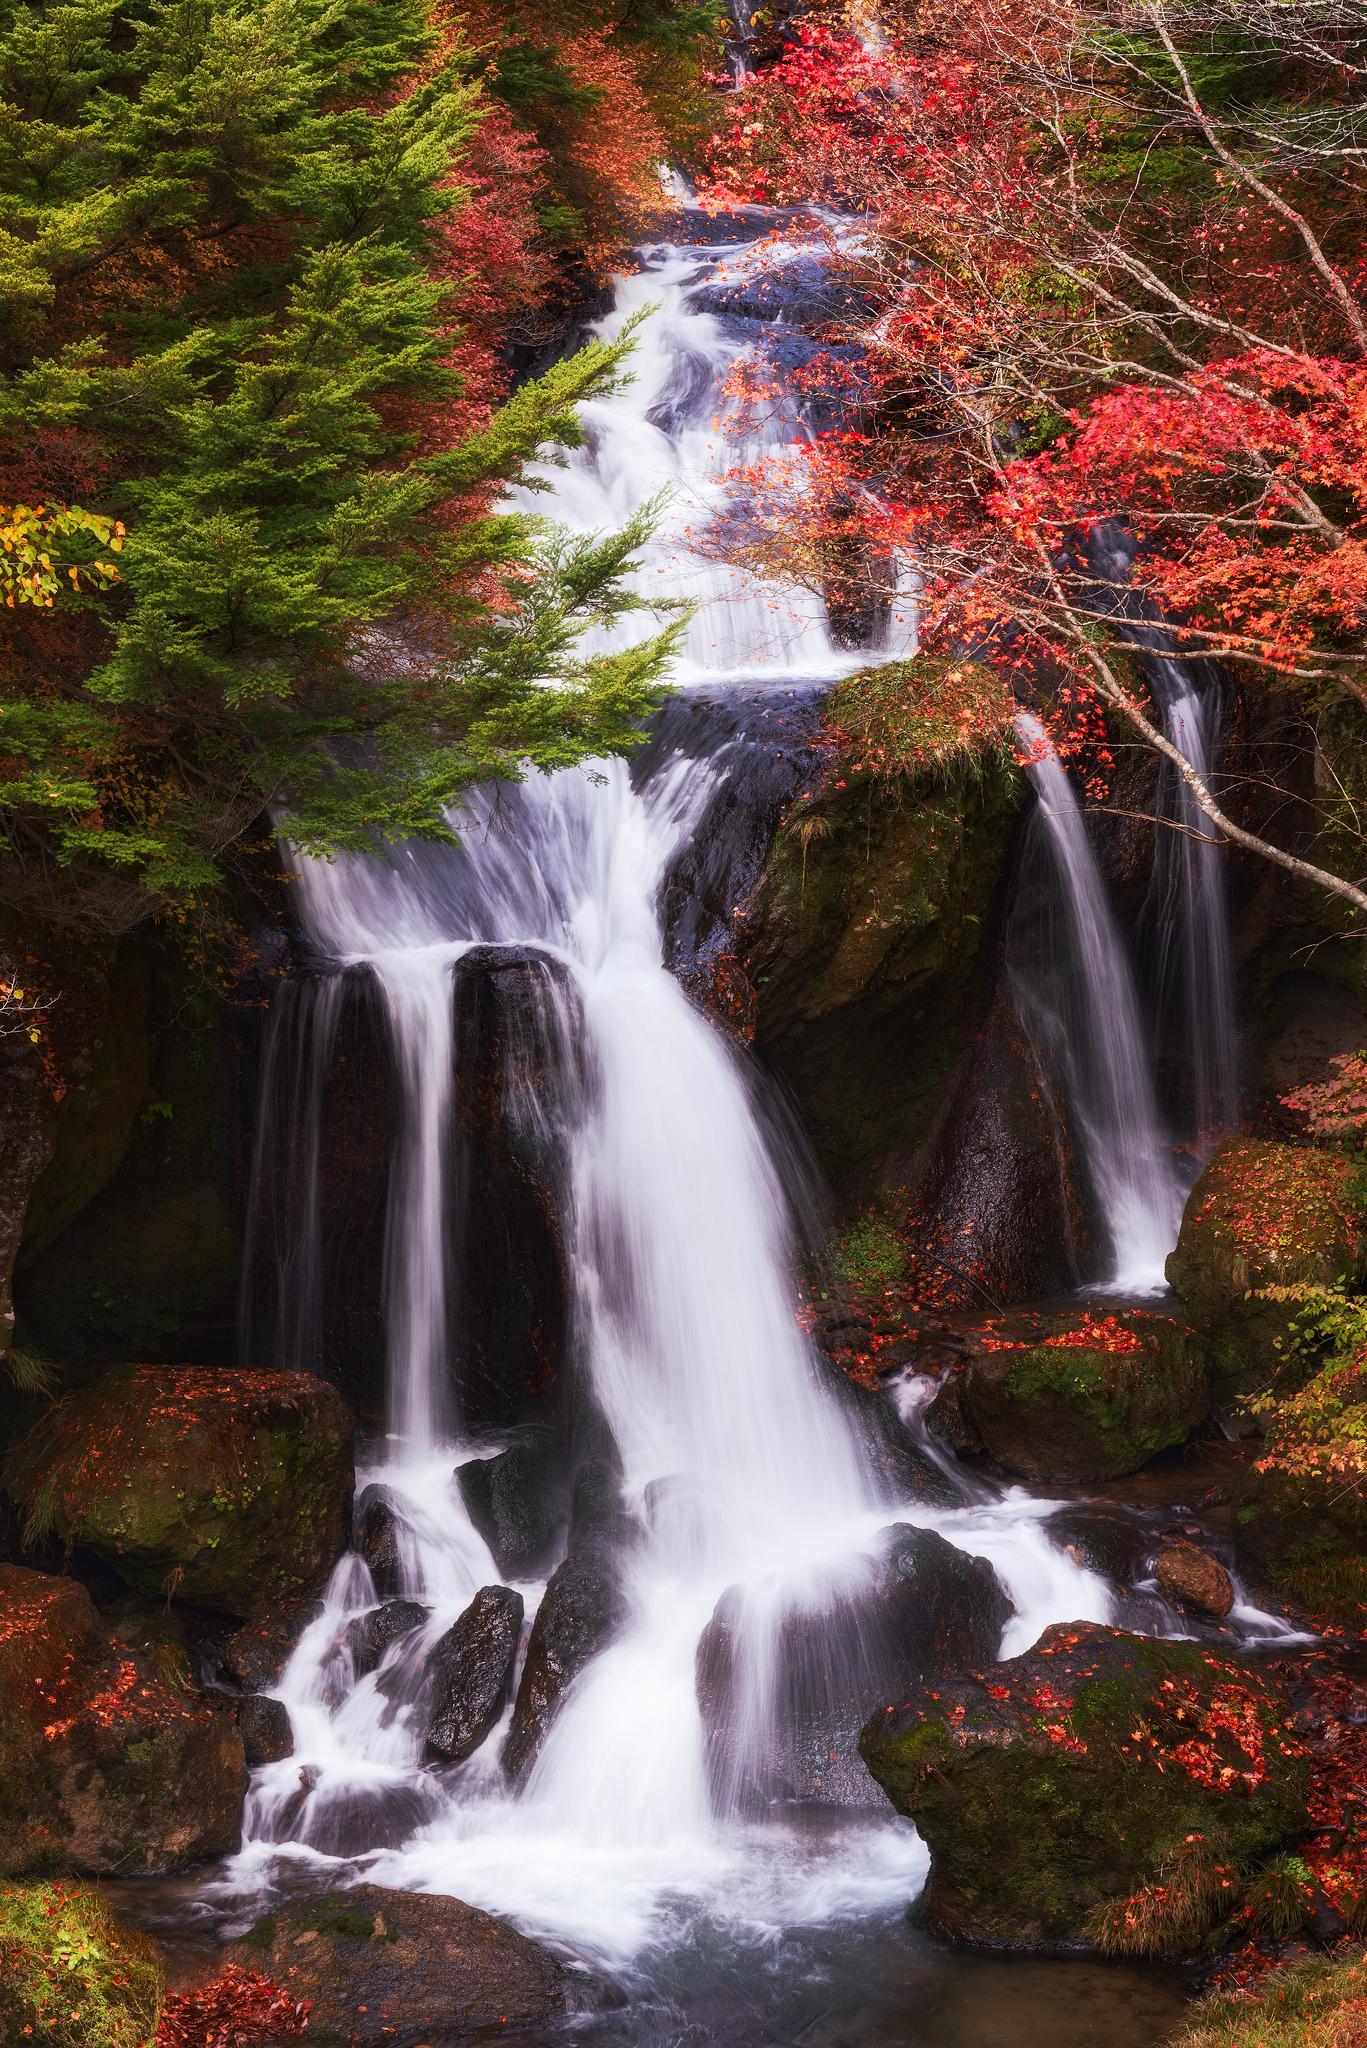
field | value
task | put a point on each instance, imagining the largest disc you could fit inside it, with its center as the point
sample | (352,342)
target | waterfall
(1077,1000)
(1185,920)
(725,1467)
(738,1468)
(1186,909)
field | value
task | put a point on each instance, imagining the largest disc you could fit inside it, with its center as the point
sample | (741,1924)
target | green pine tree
(219,327)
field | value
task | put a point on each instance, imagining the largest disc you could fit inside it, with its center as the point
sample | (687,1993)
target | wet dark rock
(948,1419)
(103,1770)
(253,1656)
(313,1285)
(765,743)
(1037,1799)
(380,1532)
(518,1083)
(264,1725)
(1193,1579)
(922,1607)
(908,1471)
(517,1502)
(598,1517)
(1058,1413)
(582,1611)
(802,291)
(405,1967)
(370,1635)
(1005,1209)
(869,947)
(1103,1539)
(470,1671)
(227,1490)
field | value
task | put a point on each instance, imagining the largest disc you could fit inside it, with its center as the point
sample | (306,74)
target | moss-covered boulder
(1261,1215)
(1080,1397)
(1305,1537)
(868,940)
(229,1490)
(103,1769)
(1051,1784)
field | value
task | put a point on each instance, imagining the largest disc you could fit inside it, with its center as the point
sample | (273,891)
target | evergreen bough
(219,325)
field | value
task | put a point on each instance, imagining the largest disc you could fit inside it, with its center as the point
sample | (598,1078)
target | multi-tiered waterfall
(735,1470)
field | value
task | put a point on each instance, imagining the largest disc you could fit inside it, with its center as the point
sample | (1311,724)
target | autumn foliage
(1113,291)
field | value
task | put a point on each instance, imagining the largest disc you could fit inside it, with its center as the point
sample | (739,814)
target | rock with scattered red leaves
(1062,1399)
(102,1769)
(225,1490)
(1261,1215)
(1052,1783)
(383,1966)
(1194,1579)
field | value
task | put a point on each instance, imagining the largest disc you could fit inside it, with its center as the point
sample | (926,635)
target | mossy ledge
(227,1490)
(1056,1781)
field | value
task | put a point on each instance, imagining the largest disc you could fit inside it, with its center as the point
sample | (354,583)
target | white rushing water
(736,1460)
(740,1472)
(1091,1021)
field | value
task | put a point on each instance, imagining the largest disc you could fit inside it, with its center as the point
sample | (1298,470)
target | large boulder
(1061,1399)
(867,942)
(580,1613)
(517,1502)
(470,1671)
(103,1770)
(783,1700)
(229,1490)
(1304,1535)
(1261,1215)
(1064,1778)
(381,1966)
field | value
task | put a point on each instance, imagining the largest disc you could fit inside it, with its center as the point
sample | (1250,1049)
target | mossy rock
(382,1966)
(229,1490)
(1261,1215)
(866,948)
(1057,1781)
(1059,1411)
(103,1770)
(1305,1538)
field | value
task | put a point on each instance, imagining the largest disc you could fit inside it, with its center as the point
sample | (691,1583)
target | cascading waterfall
(1186,910)
(1077,999)
(738,1471)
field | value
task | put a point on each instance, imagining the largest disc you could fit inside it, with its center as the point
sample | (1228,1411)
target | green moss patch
(70,1975)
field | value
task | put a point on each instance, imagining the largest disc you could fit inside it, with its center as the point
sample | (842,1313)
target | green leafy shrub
(70,1975)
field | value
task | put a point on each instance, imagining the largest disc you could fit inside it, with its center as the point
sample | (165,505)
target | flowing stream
(740,1471)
